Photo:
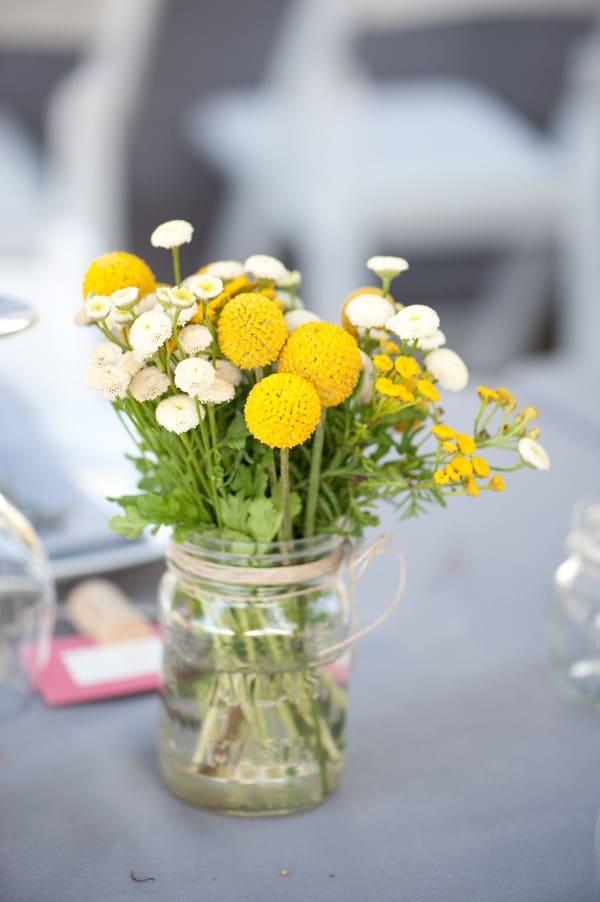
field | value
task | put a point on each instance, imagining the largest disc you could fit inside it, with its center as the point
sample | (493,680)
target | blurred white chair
(324,159)
(68,202)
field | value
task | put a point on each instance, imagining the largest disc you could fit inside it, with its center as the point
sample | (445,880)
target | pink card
(80,670)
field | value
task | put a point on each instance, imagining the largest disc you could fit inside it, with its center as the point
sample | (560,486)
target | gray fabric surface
(468,778)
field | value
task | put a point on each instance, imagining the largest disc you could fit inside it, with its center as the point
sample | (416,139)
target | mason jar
(256,664)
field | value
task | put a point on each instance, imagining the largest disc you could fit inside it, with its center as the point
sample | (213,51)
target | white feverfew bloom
(171,234)
(448,368)
(130,363)
(112,381)
(105,354)
(226,270)
(205,286)
(181,298)
(369,311)
(433,341)
(265,268)
(387,267)
(163,295)
(534,454)
(118,316)
(125,297)
(148,384)
(184,316)
(148,302)
(296,318)
(218,393)
(149,332)
(365,392)
(194,339)
(414,321)
(228,372)
(98,306)
(291,280)
(194,375)
(81,318)
(179,413)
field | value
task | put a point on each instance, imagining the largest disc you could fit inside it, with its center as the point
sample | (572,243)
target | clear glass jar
(253,716)
(574,634)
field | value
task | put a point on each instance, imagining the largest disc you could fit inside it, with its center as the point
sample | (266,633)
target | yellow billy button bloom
(440,477)
(326,356)
(444,433)
(252,331)
(471,487)
(480,466)
(382,363)
(465,443)
(496,484)
(428,390)
(283,410)
(487,394)
(407,367)
(111,272)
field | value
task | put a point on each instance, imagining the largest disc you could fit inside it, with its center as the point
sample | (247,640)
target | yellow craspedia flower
(480,466)
(382,363)
(471,487)
(444,433)
(325,355)
(252,331)
(116,270)
(428,390)
(283,410)
(465,443)
(407,367)
(441,478)
(496,484)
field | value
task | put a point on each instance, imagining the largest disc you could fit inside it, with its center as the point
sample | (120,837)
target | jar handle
(357,565)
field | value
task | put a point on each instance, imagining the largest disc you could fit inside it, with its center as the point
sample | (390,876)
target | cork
(99,609)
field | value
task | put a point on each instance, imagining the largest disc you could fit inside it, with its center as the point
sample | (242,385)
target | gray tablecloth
(468,778)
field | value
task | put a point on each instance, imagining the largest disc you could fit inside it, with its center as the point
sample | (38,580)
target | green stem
(176,266)
(313,480)
(286,529)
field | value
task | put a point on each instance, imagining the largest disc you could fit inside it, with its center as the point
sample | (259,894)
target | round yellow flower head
(325,355)
(282,411)
(252,331)
(116,270)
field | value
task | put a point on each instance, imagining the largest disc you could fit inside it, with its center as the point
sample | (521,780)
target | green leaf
(131,524)
(236,434)
(264,519)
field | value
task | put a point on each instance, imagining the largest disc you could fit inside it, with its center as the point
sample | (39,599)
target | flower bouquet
(265,440)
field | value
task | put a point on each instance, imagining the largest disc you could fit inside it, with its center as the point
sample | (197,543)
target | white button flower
(148,384)
(112,381)
(178,413)
(98,306)
(369,311)
(181,298)
(265,268)
(448,368)
(291,280)
(148,302)
(125,297)
(119,317)
(534,454)
(184,316)
(218,393)
(387,267)
(172,234)
(365,392)
(194,339)
(149,332)
(414,321)
(227,371)
(296,318)
(130,363)
(226,270)
(105,354)
(433,341)
(205,286)
(194,375)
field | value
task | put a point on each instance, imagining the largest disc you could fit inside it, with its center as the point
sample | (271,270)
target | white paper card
(109,663)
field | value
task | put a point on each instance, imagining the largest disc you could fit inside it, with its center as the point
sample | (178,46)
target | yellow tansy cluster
(464,466)
(252,331)
(282,410)
(403,379)
(117,270)
(326,356)
(500,396)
